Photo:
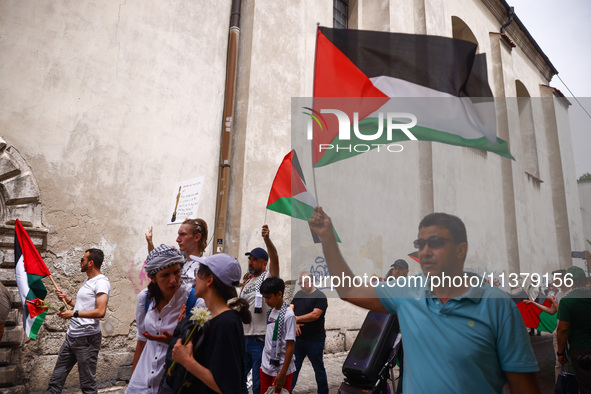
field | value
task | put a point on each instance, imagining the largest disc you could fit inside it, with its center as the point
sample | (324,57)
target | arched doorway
(19,199)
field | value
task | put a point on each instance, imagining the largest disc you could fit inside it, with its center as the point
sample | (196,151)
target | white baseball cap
(225,267)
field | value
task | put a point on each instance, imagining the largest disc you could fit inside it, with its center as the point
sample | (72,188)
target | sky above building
(563,30)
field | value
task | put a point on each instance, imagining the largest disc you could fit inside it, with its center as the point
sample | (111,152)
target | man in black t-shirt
(309,305)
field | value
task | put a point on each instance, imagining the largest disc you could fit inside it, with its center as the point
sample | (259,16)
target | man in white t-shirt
(83,338)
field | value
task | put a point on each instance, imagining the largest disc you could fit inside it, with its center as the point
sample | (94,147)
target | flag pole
(313,91)
(314,174)
(57,288)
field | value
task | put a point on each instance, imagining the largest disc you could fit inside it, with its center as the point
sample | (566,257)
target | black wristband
(75,313)
(560,354)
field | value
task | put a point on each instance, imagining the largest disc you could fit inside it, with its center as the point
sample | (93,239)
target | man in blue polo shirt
(457,338)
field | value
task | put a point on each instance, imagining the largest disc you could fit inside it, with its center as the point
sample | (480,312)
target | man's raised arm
(272,251)
(364,296)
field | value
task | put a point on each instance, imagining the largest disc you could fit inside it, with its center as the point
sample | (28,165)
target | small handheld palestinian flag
(289,194)
(29,270)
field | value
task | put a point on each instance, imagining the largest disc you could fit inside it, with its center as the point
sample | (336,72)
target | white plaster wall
(111,104)
(585,200)
(578,223)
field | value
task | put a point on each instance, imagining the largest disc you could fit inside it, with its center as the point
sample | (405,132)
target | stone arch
(19,199)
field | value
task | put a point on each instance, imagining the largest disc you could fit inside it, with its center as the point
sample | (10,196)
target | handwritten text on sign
(185,200)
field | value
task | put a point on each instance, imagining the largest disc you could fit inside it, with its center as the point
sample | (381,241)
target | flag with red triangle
(534,317)
(29,270)
(289,194)
(415,256)
(375,79)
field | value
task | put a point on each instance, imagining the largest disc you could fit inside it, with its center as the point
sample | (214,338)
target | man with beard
(254,333)
(457,338)
(83,338)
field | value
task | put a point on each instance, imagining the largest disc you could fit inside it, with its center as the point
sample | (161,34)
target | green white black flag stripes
(29,271)
(377,79)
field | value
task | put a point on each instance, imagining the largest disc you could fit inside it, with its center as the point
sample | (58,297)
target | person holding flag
(83,338)
(458,338)
(254,332)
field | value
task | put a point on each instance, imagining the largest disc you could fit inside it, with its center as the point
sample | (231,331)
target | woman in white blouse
(157,314)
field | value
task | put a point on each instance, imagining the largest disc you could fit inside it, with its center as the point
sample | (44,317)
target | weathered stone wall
(109,104)
(19,199)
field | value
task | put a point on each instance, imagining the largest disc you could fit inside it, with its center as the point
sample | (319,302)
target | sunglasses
(433,241)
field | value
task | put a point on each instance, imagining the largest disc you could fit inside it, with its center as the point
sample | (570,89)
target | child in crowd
(217,361)
(277,366)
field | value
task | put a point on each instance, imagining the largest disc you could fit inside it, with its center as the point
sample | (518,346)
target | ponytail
(229,294)
(241,306)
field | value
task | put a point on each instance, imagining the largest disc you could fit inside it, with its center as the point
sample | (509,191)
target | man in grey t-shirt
(83,339)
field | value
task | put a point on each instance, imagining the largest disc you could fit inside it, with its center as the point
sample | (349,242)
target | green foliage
(586,177)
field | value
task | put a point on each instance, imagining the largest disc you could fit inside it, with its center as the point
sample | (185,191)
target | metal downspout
(227,127)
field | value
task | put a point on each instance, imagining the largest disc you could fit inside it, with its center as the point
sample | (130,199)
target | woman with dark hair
(192,241)
(157,312)
(218,362)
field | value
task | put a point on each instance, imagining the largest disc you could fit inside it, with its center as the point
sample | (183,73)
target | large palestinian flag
(29,268)
(289,194)
(381,77)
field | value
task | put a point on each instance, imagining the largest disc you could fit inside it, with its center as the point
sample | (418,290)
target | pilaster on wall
(371,15)
(498,46)
(19,199)
(426,191)
(555,161)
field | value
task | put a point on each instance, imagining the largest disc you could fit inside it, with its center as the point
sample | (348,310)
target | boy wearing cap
(277,365)
(214,357)
(254,333)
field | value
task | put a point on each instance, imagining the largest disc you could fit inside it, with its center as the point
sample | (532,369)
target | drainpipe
(227,127)
(510,14)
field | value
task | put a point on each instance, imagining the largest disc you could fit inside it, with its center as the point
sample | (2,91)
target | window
(340,14)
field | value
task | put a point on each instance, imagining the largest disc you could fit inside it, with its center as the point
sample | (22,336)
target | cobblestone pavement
(333,363)
(544,352)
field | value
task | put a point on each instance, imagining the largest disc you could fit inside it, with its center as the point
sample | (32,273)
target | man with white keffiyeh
(277,366)
(254,333)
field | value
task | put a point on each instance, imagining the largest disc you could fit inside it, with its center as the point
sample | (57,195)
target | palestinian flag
(376,79)
(289,194)
(415,256)
(534,317)
(30,269)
